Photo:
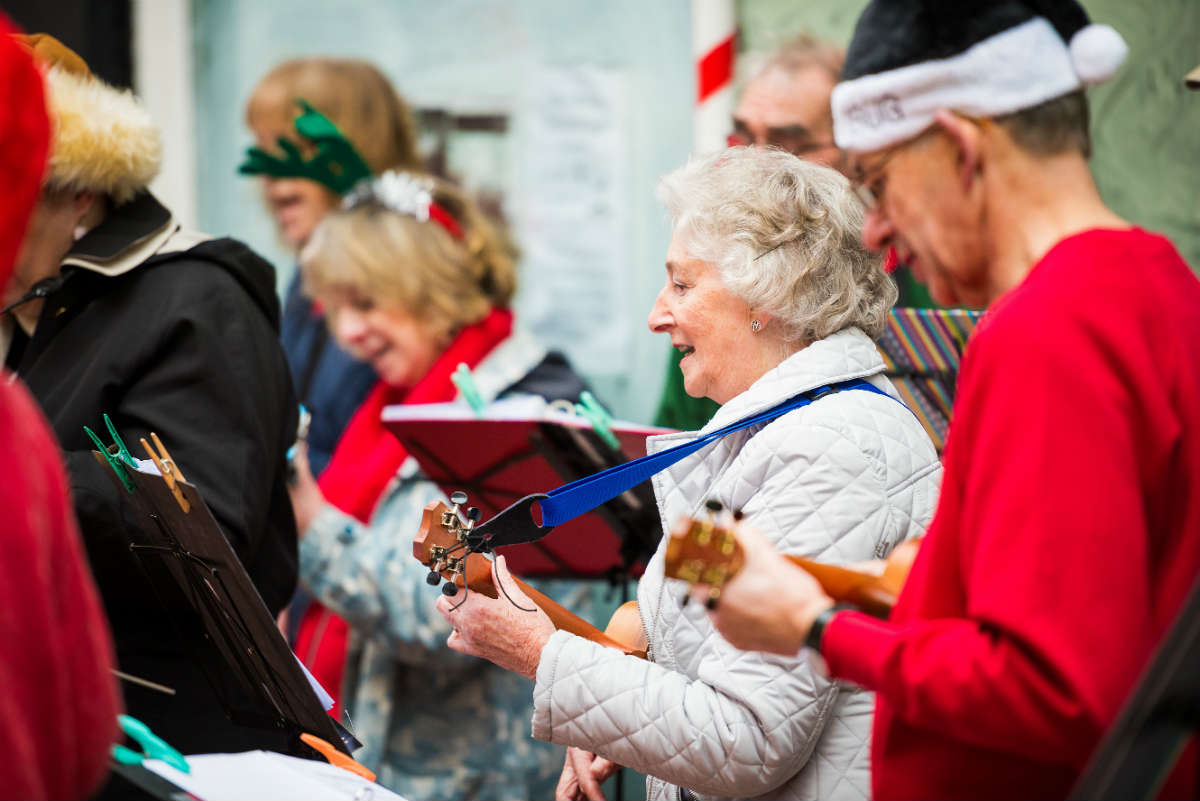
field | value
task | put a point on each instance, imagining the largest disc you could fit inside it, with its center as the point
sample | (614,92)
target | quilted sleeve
(728,732)
(367,574)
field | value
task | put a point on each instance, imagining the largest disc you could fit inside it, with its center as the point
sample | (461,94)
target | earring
(755,326)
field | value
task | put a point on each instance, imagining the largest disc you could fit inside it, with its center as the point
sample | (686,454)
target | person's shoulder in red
(58,697)
(1101,344)
(1122,301)
(1114,276)
(60,702)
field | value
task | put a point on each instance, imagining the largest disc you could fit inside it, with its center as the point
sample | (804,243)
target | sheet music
(326,699)
(518,407)
(267,776)
(147,466)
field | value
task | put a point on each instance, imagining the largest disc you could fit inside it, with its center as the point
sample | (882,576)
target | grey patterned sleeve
(367,574)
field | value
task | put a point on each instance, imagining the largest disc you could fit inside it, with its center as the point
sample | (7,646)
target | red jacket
(59,704)
(58,697)
(1066,537)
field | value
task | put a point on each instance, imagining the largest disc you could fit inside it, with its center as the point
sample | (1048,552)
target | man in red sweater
(1068,529)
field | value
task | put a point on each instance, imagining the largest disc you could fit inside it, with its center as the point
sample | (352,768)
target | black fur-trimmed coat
(182,342)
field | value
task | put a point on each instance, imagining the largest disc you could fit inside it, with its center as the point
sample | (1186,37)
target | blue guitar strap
(516,524)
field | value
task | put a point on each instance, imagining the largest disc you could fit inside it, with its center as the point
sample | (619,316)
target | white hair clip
(402,193)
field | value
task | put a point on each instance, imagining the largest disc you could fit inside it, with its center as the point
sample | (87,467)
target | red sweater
(1065,539)
(58,697)
(59,703)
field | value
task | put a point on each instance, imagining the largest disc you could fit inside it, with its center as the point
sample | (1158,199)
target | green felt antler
(336,164)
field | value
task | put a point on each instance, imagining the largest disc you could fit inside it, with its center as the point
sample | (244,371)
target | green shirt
(677,409)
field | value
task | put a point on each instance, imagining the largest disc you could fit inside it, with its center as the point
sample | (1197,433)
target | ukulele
(707,552)
(442,545)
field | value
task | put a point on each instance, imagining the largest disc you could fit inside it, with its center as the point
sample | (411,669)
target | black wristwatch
(817,632)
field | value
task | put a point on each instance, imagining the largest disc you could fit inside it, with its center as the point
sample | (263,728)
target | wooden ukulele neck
(562,617)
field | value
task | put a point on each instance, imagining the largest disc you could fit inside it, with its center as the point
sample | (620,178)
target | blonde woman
(414,281)
(369,114)
(357,98)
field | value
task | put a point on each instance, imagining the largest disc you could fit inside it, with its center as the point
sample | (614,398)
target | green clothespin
(153,746)
(598,416)
(121,461)
(466,387)
(122,451)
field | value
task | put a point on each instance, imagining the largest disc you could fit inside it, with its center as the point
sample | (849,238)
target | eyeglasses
(870,186)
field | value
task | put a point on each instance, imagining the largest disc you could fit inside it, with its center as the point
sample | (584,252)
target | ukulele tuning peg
(738,514)
(687,597)
(434,578)
(474,513)
(450,519)
(449,589)
(713,505)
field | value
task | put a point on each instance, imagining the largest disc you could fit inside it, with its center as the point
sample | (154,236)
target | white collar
(841,356)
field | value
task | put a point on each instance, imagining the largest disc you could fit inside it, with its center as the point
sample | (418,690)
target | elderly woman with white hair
(769,293)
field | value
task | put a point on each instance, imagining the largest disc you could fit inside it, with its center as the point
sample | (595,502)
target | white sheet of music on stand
(267,776)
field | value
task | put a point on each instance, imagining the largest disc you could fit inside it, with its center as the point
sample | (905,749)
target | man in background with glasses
(786,103)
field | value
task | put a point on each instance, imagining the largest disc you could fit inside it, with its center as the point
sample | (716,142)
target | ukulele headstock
(705,550)
(441,542)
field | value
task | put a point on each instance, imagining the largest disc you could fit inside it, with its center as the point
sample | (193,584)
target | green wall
(1145,125)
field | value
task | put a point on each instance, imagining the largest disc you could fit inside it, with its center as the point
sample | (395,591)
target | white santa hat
(985,58)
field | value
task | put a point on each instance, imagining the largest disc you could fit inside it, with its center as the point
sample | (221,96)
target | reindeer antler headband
(339,167)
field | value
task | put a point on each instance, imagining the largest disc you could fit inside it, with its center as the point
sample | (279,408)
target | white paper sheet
(147,466)
(267,776)
(518,407)
(325,698)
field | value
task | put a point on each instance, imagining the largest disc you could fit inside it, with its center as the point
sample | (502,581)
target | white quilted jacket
(843,479)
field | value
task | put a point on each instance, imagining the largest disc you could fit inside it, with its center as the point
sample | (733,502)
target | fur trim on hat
(1015,69)
(103,141)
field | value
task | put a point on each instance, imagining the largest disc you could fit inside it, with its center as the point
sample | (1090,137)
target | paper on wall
(574,228)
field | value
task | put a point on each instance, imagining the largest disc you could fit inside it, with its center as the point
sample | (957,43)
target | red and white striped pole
(714,46)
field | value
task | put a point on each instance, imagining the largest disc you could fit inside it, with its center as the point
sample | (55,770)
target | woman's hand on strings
(509,630)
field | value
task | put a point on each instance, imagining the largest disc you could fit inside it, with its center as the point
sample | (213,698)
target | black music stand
(219,614)
(1161,714)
